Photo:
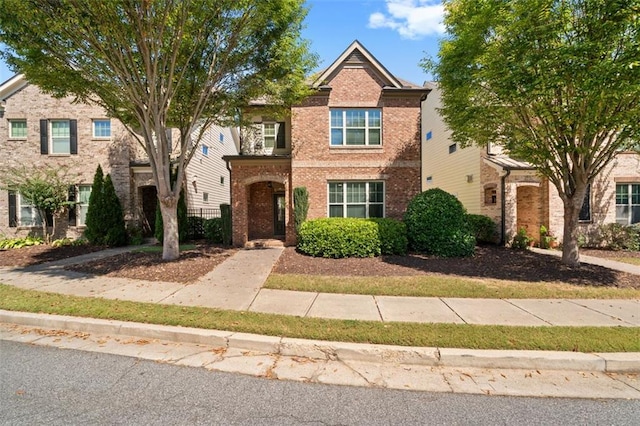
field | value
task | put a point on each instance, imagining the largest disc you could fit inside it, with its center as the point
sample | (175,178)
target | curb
(626,362)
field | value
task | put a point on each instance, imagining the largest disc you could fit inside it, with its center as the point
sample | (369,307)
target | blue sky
(397,32)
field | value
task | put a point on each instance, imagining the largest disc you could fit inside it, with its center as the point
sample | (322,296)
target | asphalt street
(45,385)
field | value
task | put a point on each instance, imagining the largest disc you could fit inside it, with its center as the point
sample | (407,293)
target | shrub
(105,219)
(94,230)
(300,205)
(339,237)
(136,235)
(615,236)
(196,226)
(521,240)
(227,224)
(213,230)
(437,224)
(392,235)
(483,228)
(15,243)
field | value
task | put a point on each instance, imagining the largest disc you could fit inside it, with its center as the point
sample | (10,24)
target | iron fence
(196,218)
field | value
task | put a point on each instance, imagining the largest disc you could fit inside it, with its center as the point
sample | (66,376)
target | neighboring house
(37,130)
(489,182)
(354,144)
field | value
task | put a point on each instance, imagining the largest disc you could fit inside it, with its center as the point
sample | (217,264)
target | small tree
(116,231)
(46,188)
(300,205)
(94,221)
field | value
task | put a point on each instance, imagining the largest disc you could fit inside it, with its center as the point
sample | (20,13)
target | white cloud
(412,19)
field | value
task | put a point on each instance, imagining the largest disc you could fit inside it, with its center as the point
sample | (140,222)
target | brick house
(489,182)
(354,144)
(37,130)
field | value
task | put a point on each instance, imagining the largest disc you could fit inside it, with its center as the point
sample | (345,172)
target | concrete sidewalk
(236,284)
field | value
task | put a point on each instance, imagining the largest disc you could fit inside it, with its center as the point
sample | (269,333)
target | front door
(278,215)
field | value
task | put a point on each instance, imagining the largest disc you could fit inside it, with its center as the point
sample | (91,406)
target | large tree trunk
(570,252)
(170,243)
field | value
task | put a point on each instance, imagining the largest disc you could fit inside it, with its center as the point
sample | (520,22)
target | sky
(399,33)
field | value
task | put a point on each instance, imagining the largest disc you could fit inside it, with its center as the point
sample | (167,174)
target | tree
(116,231)
(156,64)
(555,82)
(105,219)
(95,220)
(45,187)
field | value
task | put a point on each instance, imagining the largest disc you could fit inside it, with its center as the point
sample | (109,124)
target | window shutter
(13,211)
(280,142)
(73,137)
(72,208)
(44,137)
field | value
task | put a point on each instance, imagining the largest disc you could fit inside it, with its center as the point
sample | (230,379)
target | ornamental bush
(213,230)
(483,228)
(339,237)
(437,224)
(392,234)
(105,219)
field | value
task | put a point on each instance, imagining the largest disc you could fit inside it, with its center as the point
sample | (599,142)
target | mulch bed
(35,255)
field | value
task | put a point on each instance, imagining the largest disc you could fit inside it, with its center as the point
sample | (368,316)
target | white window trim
(366,128)
(367,203)
(629,204)
(93,128)
(79,223)
(50,136)
(18,120)
(275,135)
(34,213)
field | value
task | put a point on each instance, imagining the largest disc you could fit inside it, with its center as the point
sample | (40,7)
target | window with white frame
(205,197)
(28,215)
(18,129)
(356,127)
(102,129)
(356,199)
(60,136)
(269,133)
(628,203)
(205,150)
(84,192)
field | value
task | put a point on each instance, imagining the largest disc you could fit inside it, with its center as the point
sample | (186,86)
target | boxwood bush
(339,237)
(437,224)
(483,228)
(351,237)
(213,230)
(392,234)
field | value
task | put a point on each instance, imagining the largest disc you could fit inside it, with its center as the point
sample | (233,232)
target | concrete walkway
(236,284)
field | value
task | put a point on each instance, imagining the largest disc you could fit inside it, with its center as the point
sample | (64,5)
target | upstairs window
(356,199)
(356,127)
(18,129)
(59,137)
(205,150)
(628,203)
(273,135)
(102,129)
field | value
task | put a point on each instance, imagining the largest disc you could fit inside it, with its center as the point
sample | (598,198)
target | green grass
(444,286)
(158,249)
(584,339)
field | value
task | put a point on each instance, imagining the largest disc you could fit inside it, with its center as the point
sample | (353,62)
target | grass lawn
(583,339)
(444,286)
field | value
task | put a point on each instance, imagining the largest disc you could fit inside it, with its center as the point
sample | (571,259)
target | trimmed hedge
(437,224)
(483,228)
(213,230)
(351,237)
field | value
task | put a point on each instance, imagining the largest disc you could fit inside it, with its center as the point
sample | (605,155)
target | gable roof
(12,85)
(356,54)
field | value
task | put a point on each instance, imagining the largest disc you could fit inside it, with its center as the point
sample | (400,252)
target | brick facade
(355,80)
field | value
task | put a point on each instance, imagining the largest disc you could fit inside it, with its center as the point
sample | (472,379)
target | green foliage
(135,235)
(437,224)
(546,239)
(521,240)
(105,219)
(339,237)
(16,243)
(555,82)
(95,229)
(166,56)
(615,236)
(300,205)
(483,228)
(227,225)
(392,234)
(45,186)
(213,230)
(62,242)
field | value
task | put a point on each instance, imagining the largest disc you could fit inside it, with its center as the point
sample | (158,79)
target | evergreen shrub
(213,230)
(392,234)
(339,237)
(483,228)
(437,224)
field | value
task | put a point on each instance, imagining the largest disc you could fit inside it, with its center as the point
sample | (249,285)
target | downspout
(503,202)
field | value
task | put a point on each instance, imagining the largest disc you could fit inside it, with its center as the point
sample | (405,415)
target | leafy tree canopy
(555,82)
(154,64)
